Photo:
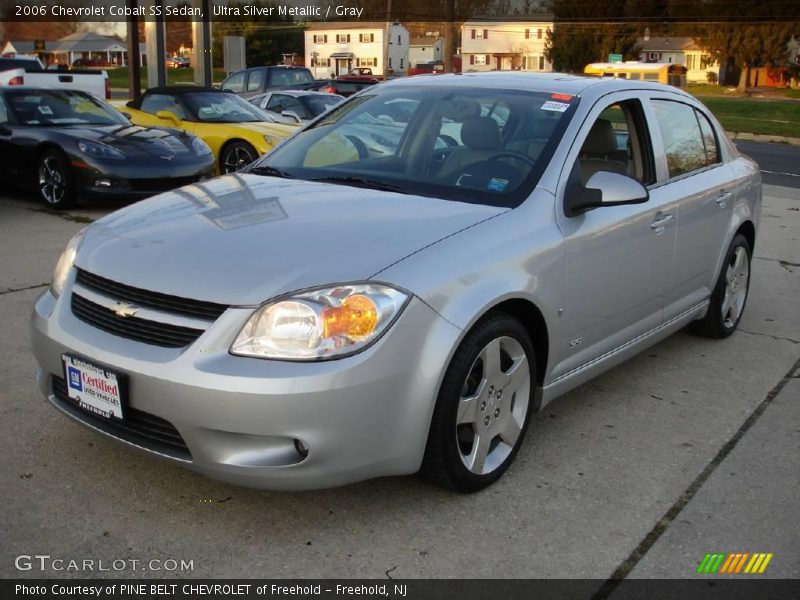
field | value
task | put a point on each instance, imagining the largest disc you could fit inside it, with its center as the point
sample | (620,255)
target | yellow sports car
(237,131)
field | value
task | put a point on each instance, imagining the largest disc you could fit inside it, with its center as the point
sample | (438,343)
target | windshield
(220,107)
(60,108)
(288,77)
(317,105)
(473,145)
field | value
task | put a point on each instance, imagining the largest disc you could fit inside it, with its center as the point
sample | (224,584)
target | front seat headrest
(481,133)
(601,139)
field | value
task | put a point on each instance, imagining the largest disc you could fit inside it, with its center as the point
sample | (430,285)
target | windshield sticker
(555,106)
(45,110)
(497,185)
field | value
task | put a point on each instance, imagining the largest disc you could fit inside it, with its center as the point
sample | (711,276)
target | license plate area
(94,388)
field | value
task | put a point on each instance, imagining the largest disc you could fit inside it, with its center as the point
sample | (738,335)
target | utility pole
(134,55)
(388,36)
(449,36)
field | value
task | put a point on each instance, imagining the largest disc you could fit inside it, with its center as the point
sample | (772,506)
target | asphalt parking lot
(692,447)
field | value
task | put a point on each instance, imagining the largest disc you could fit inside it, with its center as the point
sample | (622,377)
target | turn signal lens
(356,318)
(321,324)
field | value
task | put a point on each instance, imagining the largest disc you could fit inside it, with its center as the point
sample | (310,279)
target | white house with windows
(336,47)
(425,50)
(505,43)
(680,51)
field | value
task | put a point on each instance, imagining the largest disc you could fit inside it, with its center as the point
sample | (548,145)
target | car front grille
(141,330)
(172,304)
(140,428)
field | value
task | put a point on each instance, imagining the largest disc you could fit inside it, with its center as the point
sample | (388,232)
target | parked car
(236,131)
(360,74)
(329,316)
(28,71)
(296,106)
(92,63)
(257,80)
(66,144)
(178,62)
(340,87)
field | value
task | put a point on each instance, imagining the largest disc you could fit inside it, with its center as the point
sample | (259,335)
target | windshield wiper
(271,171)
(362,182)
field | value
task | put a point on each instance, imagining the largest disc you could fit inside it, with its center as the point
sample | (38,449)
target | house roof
(86,42)
(425,41)
(20,47)
(492,19)
(658,43)
(335,25)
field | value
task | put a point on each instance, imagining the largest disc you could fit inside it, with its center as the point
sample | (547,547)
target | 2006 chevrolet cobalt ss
(400,285)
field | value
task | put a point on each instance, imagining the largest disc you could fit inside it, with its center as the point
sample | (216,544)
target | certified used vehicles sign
(94,388)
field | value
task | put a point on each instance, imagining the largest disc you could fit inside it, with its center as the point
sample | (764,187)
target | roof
(425,41)
(86,41)
(529,81)
(492,19)
(658,43)
(334,25)
(24,47)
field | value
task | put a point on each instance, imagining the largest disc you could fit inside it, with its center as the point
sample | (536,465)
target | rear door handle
(660,223)
(722,199)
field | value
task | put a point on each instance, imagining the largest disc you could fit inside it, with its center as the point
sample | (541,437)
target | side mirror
(291,115)
(604,188)
(168,115)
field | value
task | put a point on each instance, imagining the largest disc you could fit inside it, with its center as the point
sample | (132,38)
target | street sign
(614,58)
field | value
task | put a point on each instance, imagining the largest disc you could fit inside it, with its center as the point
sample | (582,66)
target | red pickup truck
(360,74)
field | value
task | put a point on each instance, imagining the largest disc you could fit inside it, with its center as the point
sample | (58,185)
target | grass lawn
(748,115)
(118,78)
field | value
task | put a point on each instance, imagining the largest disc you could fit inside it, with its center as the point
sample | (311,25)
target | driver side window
(153,103)
(618,142)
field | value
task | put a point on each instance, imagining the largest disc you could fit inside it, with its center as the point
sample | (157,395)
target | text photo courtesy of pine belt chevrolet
(67,144)
(237,131)
(338,312)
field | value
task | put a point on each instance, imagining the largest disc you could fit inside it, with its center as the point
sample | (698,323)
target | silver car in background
(350,309)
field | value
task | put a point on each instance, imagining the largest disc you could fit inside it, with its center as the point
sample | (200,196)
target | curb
(756,137)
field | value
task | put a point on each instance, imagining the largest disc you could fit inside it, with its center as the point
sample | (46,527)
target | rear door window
(680,132)
(254,80)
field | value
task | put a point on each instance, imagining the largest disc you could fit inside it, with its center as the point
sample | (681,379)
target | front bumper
(133,181)
(359,417)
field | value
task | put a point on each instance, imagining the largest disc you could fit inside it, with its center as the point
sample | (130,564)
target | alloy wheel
(736,282)
(52,180)
(236,158)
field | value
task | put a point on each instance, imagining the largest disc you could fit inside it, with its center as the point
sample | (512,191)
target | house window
(321,38)
(480,34)
(367,62)
(390,62)
(342,38)
(320,62)
(399,41)
(402,60)
(480,59)
(366,37)
(653,57)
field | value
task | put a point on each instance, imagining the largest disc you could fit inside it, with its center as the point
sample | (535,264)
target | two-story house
(505,43)
(336,47)
(425,50)
(680,51)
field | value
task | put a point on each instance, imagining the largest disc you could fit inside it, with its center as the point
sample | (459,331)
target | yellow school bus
(640,71)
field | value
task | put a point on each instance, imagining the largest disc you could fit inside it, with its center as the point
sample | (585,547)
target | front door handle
(722,199)
(660,223)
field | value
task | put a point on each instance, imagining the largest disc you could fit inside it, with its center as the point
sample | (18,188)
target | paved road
(660,435)
(780,163)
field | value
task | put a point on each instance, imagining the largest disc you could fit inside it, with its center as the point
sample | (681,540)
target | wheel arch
(748,230)
(227,143)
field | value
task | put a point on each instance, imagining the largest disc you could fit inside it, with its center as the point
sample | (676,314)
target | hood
(277,129)
(136,142)
(243,239)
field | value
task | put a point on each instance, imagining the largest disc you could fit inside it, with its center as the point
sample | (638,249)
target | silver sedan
(348,309)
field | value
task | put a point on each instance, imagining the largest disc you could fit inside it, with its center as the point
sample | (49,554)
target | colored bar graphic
(734,562)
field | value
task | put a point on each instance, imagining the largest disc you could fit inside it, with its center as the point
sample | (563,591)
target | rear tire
(483,408)
(54,180)
(730,293)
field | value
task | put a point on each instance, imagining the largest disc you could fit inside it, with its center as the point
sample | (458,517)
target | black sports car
(68,143)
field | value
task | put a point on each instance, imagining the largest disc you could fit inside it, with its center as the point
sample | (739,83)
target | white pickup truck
(28,71)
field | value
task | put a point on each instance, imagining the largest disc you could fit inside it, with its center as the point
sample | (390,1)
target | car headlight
(321,324)
(200,147)
(64,264)
(99,150)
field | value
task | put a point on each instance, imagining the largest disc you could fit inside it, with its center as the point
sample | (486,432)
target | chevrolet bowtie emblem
(124,309)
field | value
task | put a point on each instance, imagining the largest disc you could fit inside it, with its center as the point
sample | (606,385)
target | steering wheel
(514,154)
(360,146)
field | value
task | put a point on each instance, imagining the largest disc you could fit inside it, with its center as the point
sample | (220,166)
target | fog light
(301,448)
(106,183)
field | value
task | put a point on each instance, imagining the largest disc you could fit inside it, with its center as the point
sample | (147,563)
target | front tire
(483,408)
(236,156)
(54,180)
(730,293)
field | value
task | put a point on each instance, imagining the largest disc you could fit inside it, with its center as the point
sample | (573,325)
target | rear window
(289,77)
(6,64)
